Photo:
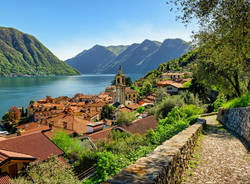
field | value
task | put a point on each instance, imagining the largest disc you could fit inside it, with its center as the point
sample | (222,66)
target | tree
(14,114)
(223,42)
(107,112)
(52,171)
(125,118)
(128,81)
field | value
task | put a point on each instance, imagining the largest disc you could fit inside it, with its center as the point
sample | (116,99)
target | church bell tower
(120,86)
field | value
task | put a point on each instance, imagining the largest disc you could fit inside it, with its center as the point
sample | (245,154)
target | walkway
(219,158)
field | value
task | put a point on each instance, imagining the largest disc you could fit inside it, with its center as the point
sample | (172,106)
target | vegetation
(14,114)
(125,118)
(107,112)
(22,54)
(123,149)
(242,101)
(70,146)
(140,109)
(223,42)
(49,172)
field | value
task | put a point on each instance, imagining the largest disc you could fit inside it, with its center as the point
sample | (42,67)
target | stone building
(120,85)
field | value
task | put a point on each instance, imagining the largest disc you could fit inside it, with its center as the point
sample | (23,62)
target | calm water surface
(20,90)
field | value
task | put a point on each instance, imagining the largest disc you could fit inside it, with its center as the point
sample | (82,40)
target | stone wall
(237,120)
(166,163)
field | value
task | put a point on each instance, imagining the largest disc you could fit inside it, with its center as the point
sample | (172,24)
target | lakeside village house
(173,82)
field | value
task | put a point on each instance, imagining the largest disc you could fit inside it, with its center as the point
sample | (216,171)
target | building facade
(120,87)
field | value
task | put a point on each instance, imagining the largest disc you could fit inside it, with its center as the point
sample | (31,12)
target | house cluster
(173,81)
(78,116)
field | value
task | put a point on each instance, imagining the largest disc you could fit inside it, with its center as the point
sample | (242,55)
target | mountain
(92,60)
(117,49)
(22,54)
(135,58)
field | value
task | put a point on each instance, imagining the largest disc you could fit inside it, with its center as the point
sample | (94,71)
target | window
(65,125)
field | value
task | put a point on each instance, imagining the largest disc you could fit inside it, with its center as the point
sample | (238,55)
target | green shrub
(109,164)
(243,101)
(218,102)
(125,118)
(140,109)
(51,171)
(167,105)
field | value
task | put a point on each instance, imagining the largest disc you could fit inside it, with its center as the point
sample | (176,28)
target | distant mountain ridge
(134,58)
(22,54)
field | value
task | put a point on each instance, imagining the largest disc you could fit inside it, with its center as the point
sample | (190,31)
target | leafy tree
(14,114)
(162,109)
(223,42)
(125,118)
(6,116)
(107,112)
(52,171)
(128,81)
(140,109)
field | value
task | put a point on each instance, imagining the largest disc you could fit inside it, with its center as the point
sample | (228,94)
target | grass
(242,101)
(194,160)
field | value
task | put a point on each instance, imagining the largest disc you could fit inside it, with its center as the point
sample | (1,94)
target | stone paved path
(220,158)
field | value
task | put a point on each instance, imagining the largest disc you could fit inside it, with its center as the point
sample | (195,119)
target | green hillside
(22,54)
(173,65)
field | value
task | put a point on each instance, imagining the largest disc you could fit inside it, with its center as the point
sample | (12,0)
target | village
(82,117)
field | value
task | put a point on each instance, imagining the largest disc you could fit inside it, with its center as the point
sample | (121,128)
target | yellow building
(131,94)
(12,162)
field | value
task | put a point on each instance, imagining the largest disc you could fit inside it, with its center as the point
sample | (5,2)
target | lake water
(20,90)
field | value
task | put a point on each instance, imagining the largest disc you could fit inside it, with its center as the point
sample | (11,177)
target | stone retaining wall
(237,120)
(166,163)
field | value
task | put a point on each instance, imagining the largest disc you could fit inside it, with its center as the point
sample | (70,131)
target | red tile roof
(142,126)
(9,155)
(169,82)
(36,144)
(125,109)
(133,106)
(101,135)
(4,178)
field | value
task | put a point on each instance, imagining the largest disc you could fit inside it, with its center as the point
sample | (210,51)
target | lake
(19,91)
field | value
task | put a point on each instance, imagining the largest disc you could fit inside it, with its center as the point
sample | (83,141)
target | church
(122,94)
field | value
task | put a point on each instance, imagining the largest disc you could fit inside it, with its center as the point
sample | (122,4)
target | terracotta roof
(133,106)
(101,135)
(125,109)
(169,82)
(142,126)
(32,127)
(10,155)
(4,178)
(177,85)
(36,144)
(164,83)
(173,73)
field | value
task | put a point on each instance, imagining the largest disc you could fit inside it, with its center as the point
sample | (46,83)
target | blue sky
(67,27)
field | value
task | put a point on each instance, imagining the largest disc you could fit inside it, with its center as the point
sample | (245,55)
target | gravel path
(220,158)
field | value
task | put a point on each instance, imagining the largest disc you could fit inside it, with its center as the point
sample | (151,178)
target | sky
(67,27)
